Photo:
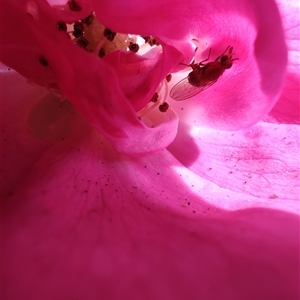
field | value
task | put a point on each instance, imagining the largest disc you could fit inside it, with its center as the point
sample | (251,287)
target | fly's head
(226,59)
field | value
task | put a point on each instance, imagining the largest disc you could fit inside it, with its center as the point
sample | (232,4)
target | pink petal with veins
(258,162)
(87,222)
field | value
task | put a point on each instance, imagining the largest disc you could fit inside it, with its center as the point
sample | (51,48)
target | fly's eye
(223,58)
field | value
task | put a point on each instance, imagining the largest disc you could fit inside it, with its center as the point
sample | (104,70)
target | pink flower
(213,216)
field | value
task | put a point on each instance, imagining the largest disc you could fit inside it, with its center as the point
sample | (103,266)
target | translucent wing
(184,90)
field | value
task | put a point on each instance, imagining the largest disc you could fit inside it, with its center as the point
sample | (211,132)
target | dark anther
(82,42)
(155,97)
(151,41)
(101,52)
(134,47)
(164,107)
(154,42)
(110,35)
(74,6)
(62,26)
(146,38)
(89,19)
(169,77)
(78,29)
(43,61)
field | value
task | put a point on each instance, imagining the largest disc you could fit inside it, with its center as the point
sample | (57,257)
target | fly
(202,76)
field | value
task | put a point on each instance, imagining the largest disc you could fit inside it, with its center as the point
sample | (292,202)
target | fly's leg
(201,63)
(224,53)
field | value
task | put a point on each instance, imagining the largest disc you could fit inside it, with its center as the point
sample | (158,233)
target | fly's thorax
(212,71)
(208,73)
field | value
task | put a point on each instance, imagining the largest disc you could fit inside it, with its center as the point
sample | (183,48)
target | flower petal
(261,161)
(94,89)
(287,109)
(32,121)
(118,221)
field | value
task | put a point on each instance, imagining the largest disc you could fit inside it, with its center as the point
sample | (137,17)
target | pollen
(94,37)
(97,39)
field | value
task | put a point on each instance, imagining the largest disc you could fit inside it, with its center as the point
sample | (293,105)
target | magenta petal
(139,76)
(287,109)
(93,224)
(32,121)
(19,48)
(262,161)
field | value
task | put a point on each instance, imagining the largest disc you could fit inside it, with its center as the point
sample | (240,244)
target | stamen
(151,41)
(169,77)
(164,107)
(91,35)
(89,19)
(133,47)
(101,53)
(156,100)
(78,29)
(155,97)
(110,35)
(82,42)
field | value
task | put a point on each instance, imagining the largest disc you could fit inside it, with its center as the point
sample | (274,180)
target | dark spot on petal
(74,6)
(43,61)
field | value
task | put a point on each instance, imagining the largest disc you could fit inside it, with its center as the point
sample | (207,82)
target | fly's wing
(184,90)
